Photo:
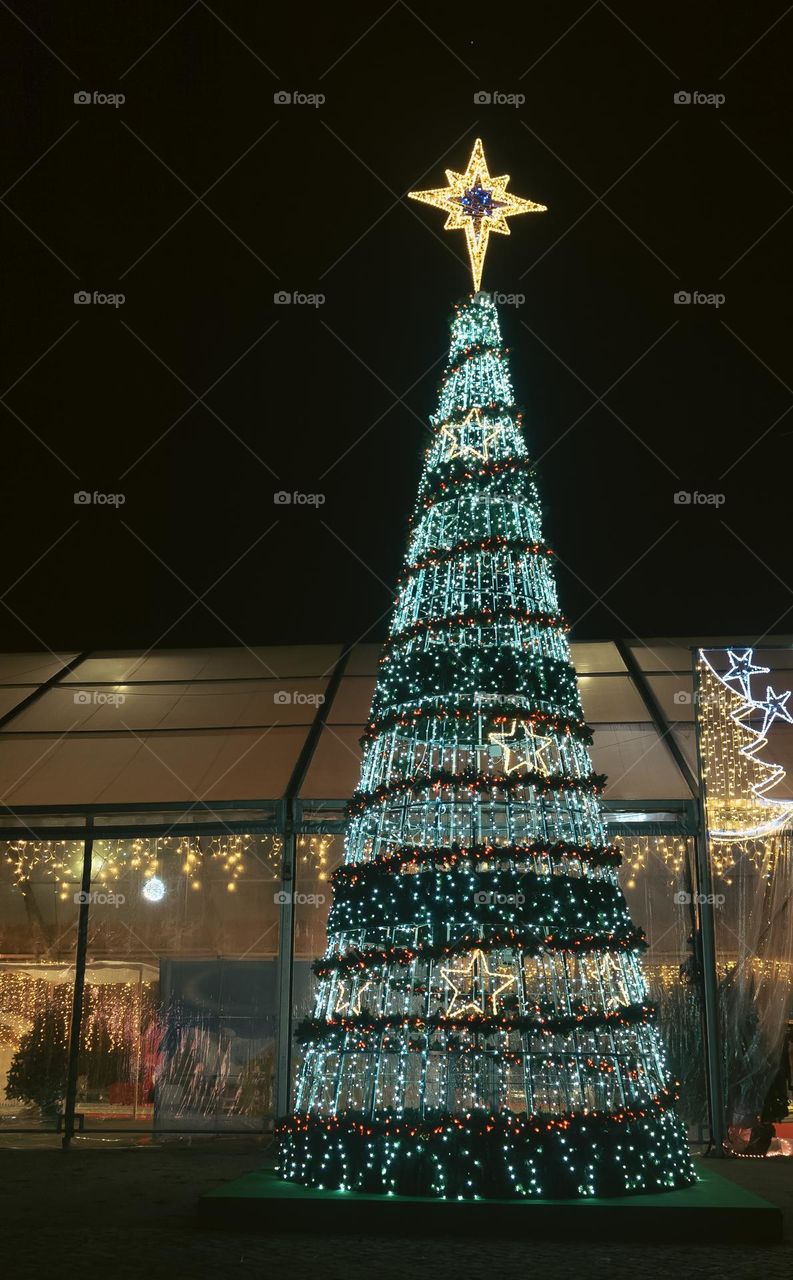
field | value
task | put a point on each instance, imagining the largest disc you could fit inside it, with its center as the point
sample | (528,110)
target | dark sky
(200,197)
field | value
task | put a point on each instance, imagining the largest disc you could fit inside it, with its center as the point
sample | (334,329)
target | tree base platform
(713,1210)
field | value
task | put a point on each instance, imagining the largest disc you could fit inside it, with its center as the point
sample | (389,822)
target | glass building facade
(168,825)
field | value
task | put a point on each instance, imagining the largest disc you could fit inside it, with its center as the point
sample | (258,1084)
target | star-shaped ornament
(775,708)
(343,998)
(522,747)
(743,669)
(455,437)
(472,982)
(477,204)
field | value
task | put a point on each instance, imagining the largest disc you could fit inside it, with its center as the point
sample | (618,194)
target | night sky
(198,398)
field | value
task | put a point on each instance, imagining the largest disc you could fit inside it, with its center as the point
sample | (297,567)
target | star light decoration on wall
(477,204)
(742,669)
(775,705)
(775,708)
(737,779)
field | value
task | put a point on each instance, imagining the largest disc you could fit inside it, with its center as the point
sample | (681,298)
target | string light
(112,1011)
(61,860)
(737,779)
(666,975)
(639,851)
(314,852)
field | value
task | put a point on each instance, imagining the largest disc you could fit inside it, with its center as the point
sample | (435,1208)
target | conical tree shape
(481,1026)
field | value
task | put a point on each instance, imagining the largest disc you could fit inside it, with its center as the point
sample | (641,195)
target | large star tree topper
(477,204)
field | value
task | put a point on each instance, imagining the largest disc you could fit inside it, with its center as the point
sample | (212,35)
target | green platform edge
(713,1210)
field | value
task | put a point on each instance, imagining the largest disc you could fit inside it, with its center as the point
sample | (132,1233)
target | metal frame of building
(292,814)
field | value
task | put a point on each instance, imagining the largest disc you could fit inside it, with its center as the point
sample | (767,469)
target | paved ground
(119,1211)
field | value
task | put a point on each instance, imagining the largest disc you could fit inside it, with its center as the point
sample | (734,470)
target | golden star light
(344,1000)
(454,436)
(471,983)
(522,750)
(477,204)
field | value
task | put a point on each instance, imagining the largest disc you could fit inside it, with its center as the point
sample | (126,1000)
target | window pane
(39,904)
(656,878)
(317,858)
(181,984)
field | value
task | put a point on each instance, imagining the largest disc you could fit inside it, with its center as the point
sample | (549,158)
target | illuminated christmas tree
(481,1025)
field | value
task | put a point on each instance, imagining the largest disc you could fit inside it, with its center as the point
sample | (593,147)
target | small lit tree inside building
(481,1025)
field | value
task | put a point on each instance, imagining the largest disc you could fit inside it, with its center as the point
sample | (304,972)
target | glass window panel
(336,765)
(190,815)
(31,668)
(661,655)
(353,700)
(638,764)
(656,878)
(685,737)
(594,657)
(246,764)
(11,696)
(610,698)
(181,984)
(123,668)
(364,660)
(272,662)
(317,858)
(747,748)
(754,965)
(39,905)
(172,706)
(675,694)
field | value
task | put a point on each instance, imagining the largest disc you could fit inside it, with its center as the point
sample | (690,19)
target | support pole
(286,948)
(707,934)
(79,986)
(139,1049)
(286,935)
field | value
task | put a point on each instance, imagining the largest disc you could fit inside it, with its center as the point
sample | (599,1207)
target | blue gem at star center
(478,201)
